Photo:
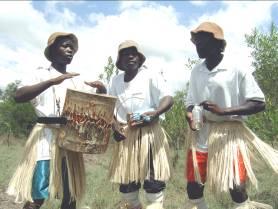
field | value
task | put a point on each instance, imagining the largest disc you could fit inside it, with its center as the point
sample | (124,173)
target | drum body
(89,117)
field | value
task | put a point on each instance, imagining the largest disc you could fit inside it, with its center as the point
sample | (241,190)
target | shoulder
(39,74)
(199,67)
(150,73)
(241,73)
(117,78)
(234,68)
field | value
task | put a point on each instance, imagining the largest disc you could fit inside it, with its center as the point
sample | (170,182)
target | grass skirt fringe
(20,185)
(225,140)
(76,174)
(131,157)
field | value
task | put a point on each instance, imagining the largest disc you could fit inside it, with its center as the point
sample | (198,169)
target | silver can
(197,116)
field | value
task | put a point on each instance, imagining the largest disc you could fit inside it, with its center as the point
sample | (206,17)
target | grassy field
(101,194)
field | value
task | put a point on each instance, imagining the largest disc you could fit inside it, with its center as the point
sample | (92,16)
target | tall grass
(101,194)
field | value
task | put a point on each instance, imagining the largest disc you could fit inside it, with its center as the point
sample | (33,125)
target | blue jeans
(41,182)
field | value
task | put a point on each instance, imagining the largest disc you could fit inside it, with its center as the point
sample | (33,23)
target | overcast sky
(162,29)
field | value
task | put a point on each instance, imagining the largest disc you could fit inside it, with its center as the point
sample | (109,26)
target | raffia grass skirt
(20,184)
(225,140)
(131,157)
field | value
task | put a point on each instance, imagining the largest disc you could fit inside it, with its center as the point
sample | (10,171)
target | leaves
(15,118)
(265,60)
(175,122)
(109,71)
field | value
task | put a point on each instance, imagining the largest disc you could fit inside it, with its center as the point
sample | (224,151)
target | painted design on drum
(89,118)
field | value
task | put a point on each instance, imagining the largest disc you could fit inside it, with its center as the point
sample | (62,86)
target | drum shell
(89,117)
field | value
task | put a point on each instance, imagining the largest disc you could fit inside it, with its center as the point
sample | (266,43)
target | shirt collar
(221,67)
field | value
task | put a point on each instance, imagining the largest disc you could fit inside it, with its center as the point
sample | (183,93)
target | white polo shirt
(143,93)
(224,85)
(45,104)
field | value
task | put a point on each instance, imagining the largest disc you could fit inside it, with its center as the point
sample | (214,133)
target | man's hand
(151,116)
(212,107)
(189,119)
(143,119)
(98,85)
(61,78)
(118,134)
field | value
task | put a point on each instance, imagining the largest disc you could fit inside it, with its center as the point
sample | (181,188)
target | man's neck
(60,68)
(129,75)
(213,61)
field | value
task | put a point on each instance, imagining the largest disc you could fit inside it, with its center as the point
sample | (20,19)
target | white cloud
(165,42)
(198,3)
(96,17)
(156,29)
(132,4)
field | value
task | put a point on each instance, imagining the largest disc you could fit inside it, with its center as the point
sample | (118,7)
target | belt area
(52,120)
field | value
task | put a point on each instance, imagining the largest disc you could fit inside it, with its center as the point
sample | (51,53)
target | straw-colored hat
(209,27)
(127,44)
(52,38)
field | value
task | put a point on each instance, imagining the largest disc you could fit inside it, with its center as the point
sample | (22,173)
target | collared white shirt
(226,86)
(143,93)
(50,104)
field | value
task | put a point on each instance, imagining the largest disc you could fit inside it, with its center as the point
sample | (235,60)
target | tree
(175,122)
(265,55)
(109,71)
(10,90)
(15,118)
(1,94)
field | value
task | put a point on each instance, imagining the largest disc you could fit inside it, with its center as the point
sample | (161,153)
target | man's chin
(133,66)
(68,61)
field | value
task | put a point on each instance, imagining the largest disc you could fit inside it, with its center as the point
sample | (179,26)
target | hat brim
(194,32)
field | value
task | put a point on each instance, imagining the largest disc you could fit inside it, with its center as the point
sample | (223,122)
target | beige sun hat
(127,44)
(209,27)
(52,38)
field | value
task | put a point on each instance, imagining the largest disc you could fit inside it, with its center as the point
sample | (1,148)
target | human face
(129,59)
(63,51)
(204,43)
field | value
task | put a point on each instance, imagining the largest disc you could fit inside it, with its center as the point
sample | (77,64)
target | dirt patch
(7,202)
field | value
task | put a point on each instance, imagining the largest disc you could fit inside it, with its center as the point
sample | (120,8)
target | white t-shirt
(143,93)
(45,104)
(226,86)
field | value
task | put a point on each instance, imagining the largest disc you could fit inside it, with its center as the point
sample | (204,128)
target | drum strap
(52,120)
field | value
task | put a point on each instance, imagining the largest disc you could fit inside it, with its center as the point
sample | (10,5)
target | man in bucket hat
(36,179)
(142,156)
(218,152)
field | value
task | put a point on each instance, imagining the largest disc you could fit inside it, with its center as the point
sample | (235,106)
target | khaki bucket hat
(209,27)
(128,44)
(52,38)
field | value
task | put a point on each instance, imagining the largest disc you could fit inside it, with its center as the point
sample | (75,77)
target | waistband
(52,120)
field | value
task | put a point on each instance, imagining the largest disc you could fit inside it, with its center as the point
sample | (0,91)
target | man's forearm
(28,93)
(165,104)
(250,107)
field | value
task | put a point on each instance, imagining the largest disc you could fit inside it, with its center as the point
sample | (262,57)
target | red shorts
(202,158)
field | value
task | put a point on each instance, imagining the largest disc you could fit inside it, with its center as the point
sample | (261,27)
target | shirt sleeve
(111,88)
(158,88)
(37,76)
(250,89)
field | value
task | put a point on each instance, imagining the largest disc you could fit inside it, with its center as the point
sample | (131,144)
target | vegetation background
(16,121)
